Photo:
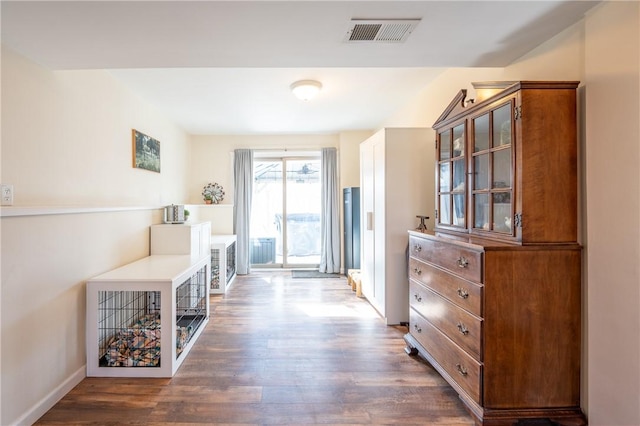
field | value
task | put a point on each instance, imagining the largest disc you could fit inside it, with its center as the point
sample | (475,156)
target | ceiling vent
(380,31)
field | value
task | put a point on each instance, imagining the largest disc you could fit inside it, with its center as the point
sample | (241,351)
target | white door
(367,219)
(379,223)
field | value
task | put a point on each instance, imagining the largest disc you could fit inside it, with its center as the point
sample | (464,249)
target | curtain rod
(283,151)
(288,149)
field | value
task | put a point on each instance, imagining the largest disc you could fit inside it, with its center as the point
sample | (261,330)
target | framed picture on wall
(146,152)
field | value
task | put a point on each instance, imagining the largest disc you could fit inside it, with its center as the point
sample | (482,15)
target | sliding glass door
(285,219)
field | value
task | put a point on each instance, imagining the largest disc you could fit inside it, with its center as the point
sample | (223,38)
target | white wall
(213,156)
(213,162)
(66,140)
(45,262)
(350,157)
(612,123)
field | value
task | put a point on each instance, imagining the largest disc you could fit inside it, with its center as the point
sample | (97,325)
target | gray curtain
(243,184)
(329,219)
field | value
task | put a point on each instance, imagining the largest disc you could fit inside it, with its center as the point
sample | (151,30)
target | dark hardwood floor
(279,351)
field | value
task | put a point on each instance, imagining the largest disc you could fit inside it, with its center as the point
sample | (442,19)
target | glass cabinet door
(492,190)
(451,177)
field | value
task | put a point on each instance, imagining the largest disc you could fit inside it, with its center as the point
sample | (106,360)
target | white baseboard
(46,403)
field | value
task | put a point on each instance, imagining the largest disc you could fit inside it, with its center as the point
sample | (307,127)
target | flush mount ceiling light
(306,89)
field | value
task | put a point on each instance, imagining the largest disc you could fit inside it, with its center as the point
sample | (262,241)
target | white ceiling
(224,67)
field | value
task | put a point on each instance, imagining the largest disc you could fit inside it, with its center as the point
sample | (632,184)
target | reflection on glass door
(285,218)
(492,170)
(451,177)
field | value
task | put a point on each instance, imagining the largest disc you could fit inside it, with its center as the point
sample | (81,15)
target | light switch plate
(6,192)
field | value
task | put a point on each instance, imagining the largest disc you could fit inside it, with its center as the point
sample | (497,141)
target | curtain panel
(329,218)
(243,184)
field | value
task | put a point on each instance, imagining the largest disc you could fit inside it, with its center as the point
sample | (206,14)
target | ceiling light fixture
(306,89)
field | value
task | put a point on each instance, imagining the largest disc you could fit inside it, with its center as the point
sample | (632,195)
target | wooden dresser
(495,289)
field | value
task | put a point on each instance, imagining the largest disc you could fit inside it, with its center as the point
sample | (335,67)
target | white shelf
(223,263)
(151,268)
(180,282)
(181,238)
(17,211)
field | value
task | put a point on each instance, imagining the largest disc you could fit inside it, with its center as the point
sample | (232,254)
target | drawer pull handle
(418,329)
(462,293)
(463,329)
(417,297)
(461,370)
(463,262)
(417,248)
(417,271)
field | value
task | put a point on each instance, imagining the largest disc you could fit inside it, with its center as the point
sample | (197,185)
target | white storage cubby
(133,310)
(223,262)
(181,238)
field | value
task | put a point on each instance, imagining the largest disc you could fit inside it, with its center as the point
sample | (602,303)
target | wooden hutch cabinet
(495,288)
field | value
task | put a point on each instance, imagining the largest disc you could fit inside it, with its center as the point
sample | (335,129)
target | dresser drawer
(459,325)
(463,293)
(461,261)
(466,372)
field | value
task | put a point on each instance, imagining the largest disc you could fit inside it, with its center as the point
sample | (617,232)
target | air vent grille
(380,31)
(365,32)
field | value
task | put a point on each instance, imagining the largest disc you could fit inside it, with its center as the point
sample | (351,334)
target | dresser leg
(409,348)
(411,351)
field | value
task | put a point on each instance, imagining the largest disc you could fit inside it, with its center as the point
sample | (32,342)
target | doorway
(285,212)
